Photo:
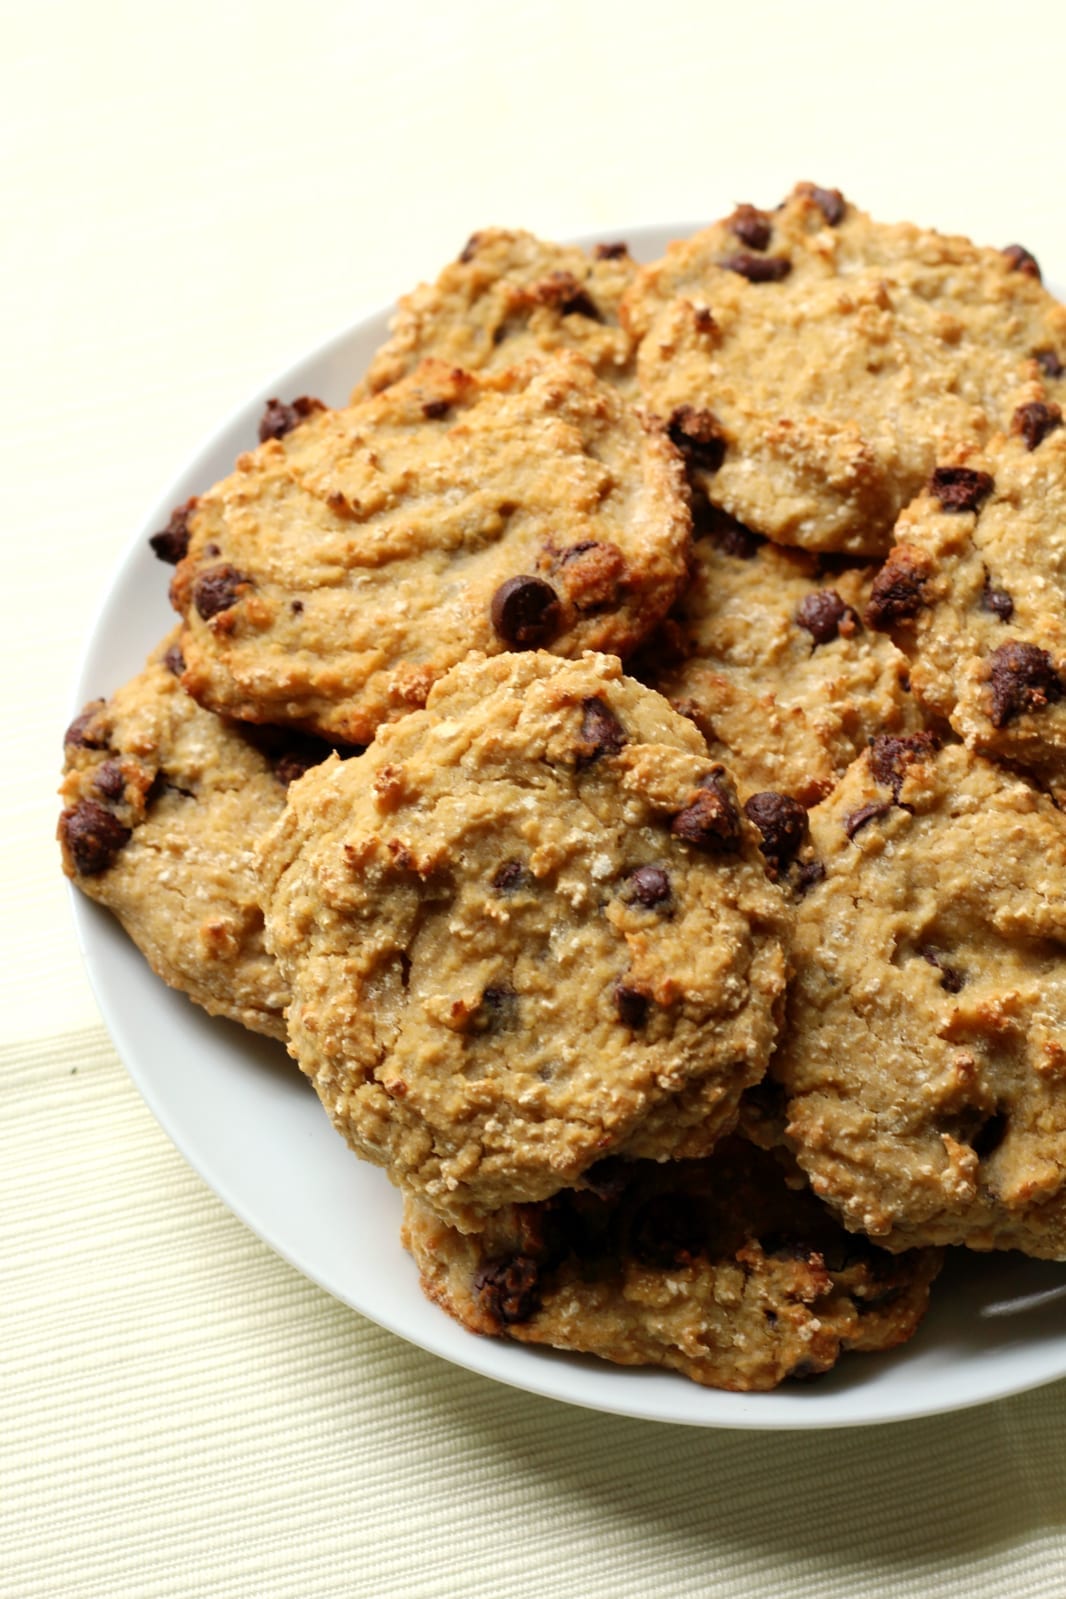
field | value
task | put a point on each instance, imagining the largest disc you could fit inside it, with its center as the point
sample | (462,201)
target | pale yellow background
(194,194)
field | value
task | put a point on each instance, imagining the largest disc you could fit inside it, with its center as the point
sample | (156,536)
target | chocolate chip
(510,876)
(1023,679)
(951,979)
(810,873)
(433,410)
(891,757)
(698,435)
(830,202)
(1049,363)
(711,821)
(525,612)
(497,1010)
(216,590)
(998,601)
(960,488)
(824,615)
(172,544)
(611,252)
(865,813)
(509,1289)
(601,732)
(751,226)
(78,734)
(631,1005)
(782,821)
(1019,259)
(109,781)
(898,591)
(93,837)
(648,885)
(1035,421)
(174,660)
(758,268)
(279,418)
(470,248)
(666,1233)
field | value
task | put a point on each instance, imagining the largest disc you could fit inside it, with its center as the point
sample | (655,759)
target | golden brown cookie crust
(719,1269)
(345,567)
(509,297)
(925,1051)
(163,803)
(819,380)
(536,933)
(975,594)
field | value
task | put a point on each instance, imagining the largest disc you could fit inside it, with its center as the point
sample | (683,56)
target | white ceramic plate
(246,1120)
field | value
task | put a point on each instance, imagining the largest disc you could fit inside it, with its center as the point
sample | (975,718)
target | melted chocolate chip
(509,877)
(601,732)
(1019,259)
(782,821)
(497,1011)
(648,885)
(810,873)
(1049,363)
(891,757)
(666,1232)
(1023,678)
(610,252)
(830,202)
(172,544)
(278,419)
(508,1289)
(698,435)
(751,226)
(1035,421)
(960,488)
(93,837)
(581,304)
(951,979)
(109,781)
(174,660)
(433,410)
(78,733)
(998,601)
(898,591)
(525,612)
(865,813)
(825,616)
(711,821)
(217,590)
(758,268)
(631,1005)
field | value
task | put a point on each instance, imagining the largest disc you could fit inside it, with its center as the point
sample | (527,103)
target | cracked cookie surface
(537,932)
(346,566)
(975,594)
(163,803)
(813,362)
(726,1269)
(508,297)
(924,1057)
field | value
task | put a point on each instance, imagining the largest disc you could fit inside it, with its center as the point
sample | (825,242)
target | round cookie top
(508,297)
(540,934)
(767,651)
(975,594)
(925,1051)
(347,565)
(163,802)
(814,363)
(724,1269)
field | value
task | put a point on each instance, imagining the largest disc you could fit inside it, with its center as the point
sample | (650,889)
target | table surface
(195,196)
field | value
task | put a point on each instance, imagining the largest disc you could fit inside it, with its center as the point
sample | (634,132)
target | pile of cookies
(622,754)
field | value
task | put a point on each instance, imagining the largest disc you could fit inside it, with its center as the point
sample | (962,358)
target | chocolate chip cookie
(726,1269)
(508,297)
(975,594)
(768,652)
(814,364)
(925,1054)
(345,566)
(163,802)
(536,931)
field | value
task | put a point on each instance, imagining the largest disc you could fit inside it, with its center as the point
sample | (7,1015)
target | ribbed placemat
(183,1414)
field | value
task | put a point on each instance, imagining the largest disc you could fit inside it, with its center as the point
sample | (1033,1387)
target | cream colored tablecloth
(192,196)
